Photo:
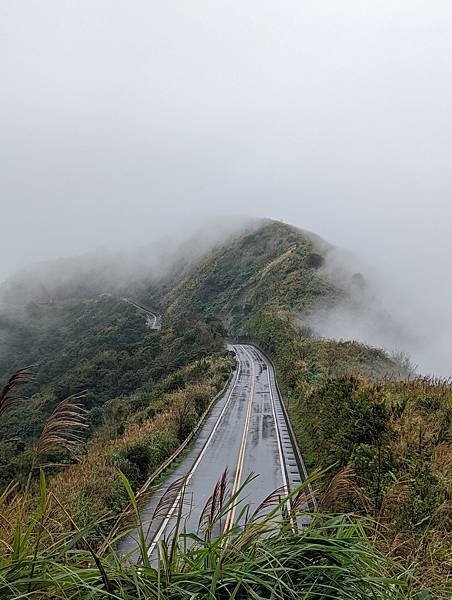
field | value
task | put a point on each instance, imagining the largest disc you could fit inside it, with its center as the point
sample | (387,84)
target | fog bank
(125,123)
(386,313)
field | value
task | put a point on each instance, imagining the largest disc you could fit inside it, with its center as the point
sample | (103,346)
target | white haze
(382,313)
(125,122)
(120,272)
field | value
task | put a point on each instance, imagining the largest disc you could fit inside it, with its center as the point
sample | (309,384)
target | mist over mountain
(109,270)
(372,308)
(380,312)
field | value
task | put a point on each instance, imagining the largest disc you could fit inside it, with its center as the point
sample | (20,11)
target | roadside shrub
(139,455)
(423,497)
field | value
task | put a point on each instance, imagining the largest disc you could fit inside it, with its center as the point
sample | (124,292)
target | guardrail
(293,439)
(168,462)
(184,444)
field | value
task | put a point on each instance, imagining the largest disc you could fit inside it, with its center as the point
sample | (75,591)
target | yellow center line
(238,474)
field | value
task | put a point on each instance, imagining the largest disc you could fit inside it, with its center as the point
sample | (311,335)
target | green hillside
(384,439)
(273,266)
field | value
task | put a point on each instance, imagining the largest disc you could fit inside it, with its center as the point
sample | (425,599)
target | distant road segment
(153,320)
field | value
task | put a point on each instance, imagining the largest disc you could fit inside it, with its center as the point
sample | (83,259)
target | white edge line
(158,535)
(296,450)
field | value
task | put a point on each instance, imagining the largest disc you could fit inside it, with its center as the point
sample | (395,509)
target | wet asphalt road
(246,433)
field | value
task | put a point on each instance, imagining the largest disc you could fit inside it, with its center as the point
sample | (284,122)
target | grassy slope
(138,442)
(241,276)
(145,391)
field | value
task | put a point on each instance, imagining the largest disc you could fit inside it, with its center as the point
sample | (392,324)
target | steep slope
(98,345)
(255,285)
(273,265)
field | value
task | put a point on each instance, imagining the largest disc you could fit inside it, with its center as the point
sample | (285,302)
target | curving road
(246,431)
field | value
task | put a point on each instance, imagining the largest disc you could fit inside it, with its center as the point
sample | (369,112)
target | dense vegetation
(100,346)
(384,439)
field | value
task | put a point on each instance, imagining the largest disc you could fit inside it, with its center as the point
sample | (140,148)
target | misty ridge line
(110,270)
(367,312)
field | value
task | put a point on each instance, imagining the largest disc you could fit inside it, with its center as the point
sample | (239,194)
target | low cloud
(377,312)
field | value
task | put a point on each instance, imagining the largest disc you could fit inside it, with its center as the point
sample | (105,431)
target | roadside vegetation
(331,558)
(393,435)
(47,552)
(91,487)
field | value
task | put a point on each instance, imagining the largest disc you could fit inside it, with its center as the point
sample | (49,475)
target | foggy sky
(122,121)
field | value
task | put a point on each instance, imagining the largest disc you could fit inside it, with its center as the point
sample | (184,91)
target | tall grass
(46,554)
(9,395)
(265,557)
